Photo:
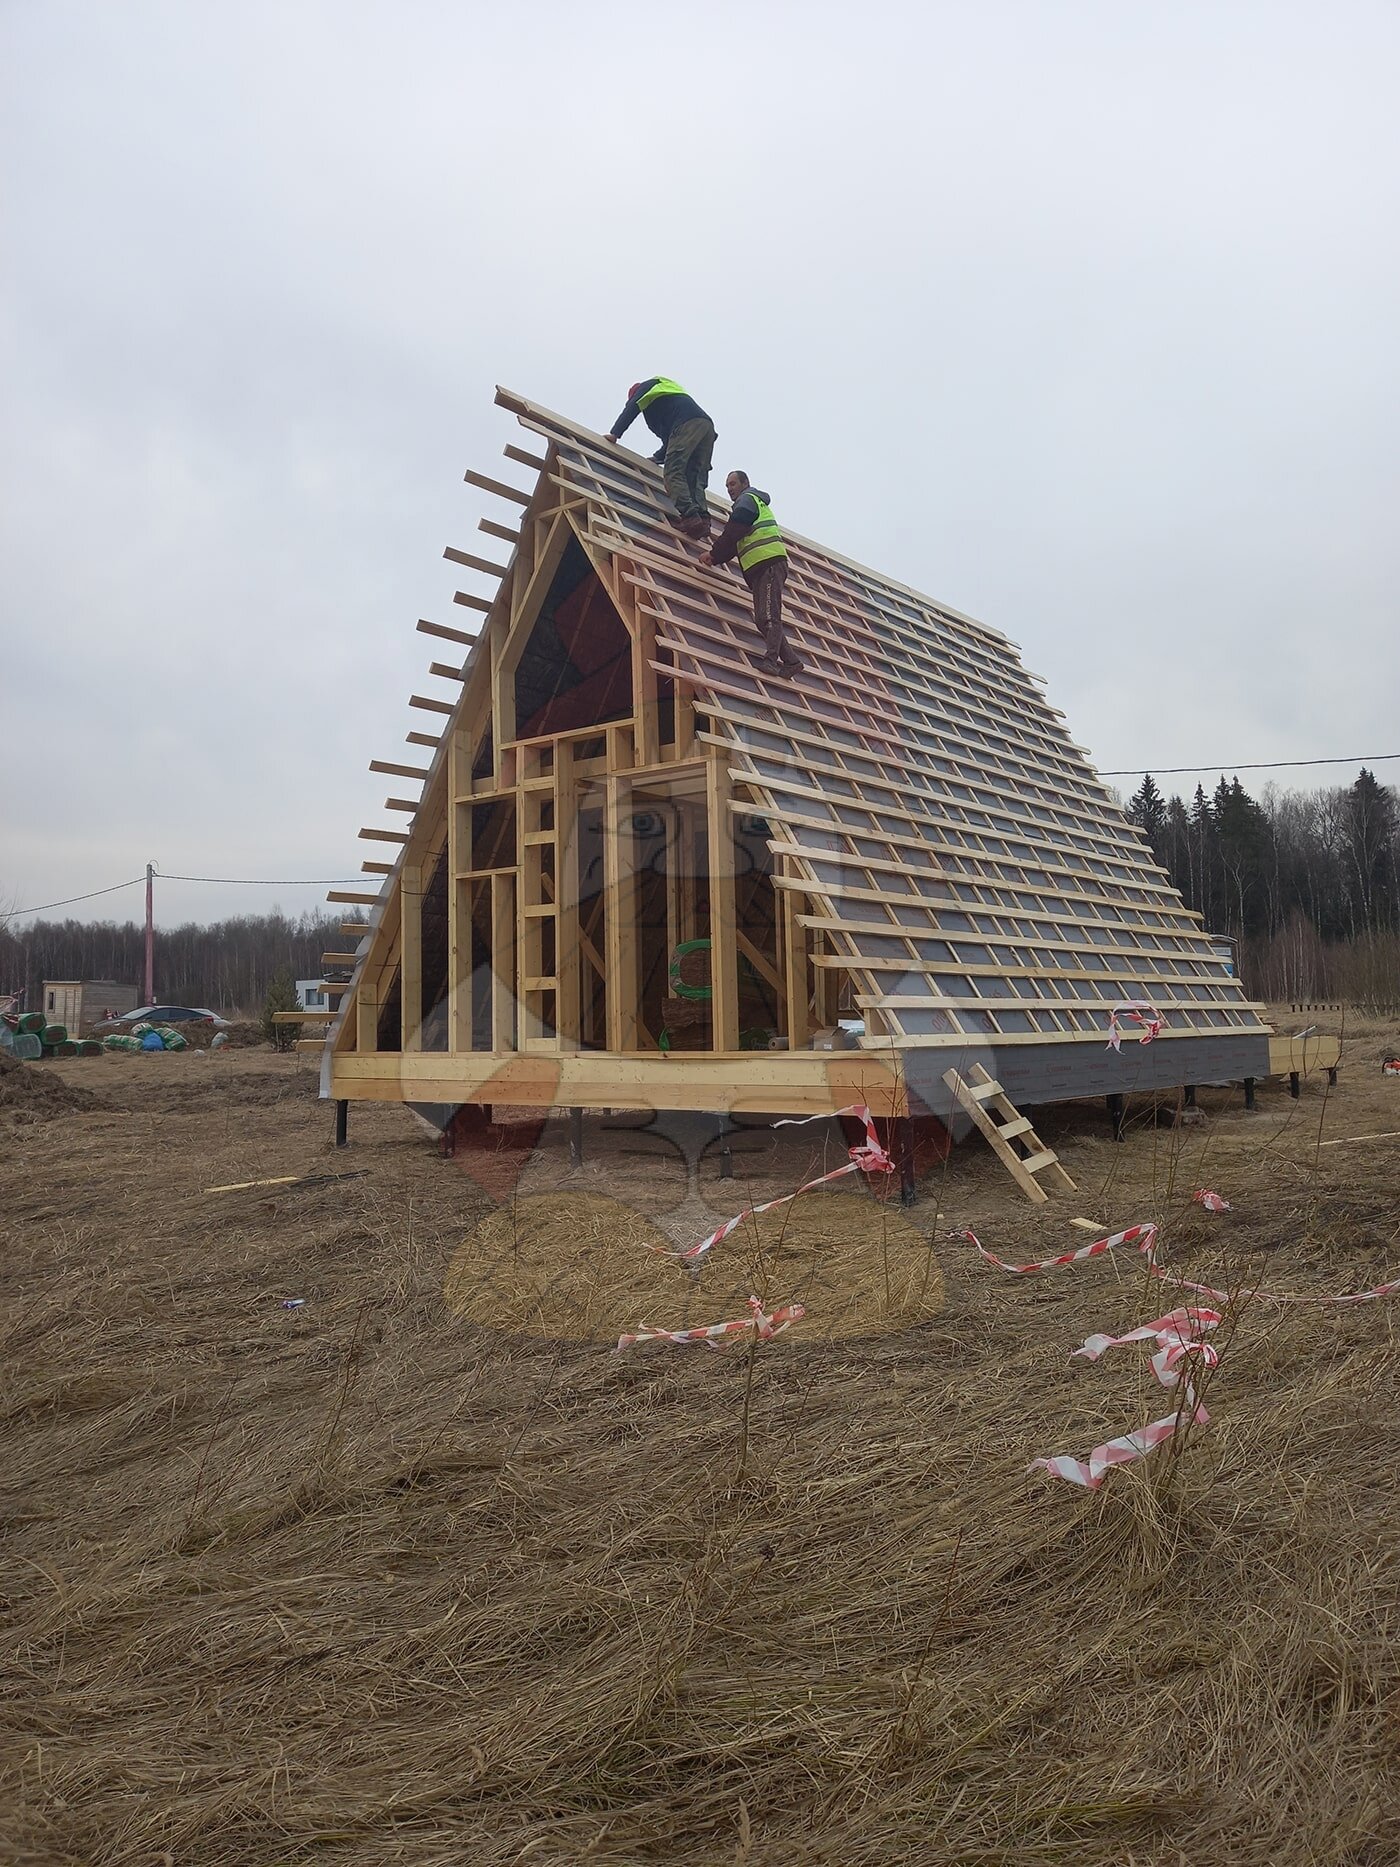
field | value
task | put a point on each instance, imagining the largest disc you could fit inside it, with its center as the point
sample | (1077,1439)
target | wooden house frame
(905,837)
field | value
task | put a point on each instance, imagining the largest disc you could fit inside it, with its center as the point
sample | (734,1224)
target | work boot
(768,664)
(697,526)
(791,662)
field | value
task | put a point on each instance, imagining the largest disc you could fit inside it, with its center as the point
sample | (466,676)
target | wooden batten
(493,530)
(468,601)
(340,894)
(525,458)
(423,739)
(376,868)
(465,558)
(425,705)
(446,672)
(398,771)
(499,487)
(448,635)
(384,836)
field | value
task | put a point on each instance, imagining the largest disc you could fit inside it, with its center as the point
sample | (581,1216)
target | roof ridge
(521,405)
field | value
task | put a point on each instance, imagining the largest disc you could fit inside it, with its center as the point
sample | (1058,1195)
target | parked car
(161,1014)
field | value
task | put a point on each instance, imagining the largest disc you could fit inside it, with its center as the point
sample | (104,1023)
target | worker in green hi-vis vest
(687,437)
(753,537)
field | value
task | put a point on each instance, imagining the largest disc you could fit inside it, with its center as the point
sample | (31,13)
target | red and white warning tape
(1211,1201)
(869,1157)
(1180,1339)
(765,1327)
(1136,1011)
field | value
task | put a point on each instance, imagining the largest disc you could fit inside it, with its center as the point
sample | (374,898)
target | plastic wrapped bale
(89,1047)
(68,1048)
(119,1042)
(31,1022)
(140,1030)
(53,1035)
(151,1041)
(28,1048)
(170,1038)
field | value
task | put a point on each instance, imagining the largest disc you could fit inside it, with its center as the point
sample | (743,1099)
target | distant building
(78,1004)
(310,997)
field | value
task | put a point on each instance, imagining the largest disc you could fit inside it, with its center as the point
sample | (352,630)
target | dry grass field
(421,1572)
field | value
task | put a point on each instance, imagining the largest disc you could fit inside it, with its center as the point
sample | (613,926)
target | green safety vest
(763,540)
(662,386)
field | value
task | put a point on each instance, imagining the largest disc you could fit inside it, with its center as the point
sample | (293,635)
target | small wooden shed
(78,1004)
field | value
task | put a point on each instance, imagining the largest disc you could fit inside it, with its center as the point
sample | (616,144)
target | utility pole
(150,934)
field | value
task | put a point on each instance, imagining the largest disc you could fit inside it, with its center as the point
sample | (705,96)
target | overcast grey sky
(1078,316)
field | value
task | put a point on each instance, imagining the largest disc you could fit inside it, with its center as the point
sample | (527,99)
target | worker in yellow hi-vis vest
(752,536)
(687,437)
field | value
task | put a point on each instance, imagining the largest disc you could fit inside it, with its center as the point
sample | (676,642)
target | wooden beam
(398,771)
(446,672)
(468,601)
(402,803)
(459,891)
(498,487)
(498,531)
(356,927)
(376,868)
(426,705)
(338,894)
(422,739)
(339,959)
(448,635)
(384,836)
(474,563)
(724,955)
(568,967)
(525,459)
(758,960)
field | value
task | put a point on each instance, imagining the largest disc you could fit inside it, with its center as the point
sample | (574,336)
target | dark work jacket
(743,516)
(661,417)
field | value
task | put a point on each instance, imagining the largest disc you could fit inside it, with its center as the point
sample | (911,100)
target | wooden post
(1294,1086)
(799,1028)
(342,1110)
(502,962)
(620,914)
(459,892)
(367,1018)
(1249,1092)
(724,948)
(568,959)
(904,1147)
(1115,1115)
(411,955)
(575,1137)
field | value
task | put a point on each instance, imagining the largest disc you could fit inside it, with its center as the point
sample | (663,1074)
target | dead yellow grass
(583,1266)
(369,1582)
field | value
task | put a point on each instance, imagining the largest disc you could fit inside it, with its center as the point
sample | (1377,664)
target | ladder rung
(1019,1126)
(1034,1162)
(984,1092)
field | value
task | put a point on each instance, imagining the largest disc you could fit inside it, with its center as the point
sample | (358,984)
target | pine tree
(1147,808)
(281,996)
(1372,822)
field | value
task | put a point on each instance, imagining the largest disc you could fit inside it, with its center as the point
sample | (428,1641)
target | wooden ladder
(1003,1124)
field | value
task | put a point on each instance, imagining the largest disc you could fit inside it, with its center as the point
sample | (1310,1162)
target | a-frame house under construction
(642,874)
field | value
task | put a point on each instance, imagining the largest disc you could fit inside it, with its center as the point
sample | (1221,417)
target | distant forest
(227,966)
(1308,883)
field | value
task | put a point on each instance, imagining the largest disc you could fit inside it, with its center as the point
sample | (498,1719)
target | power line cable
(1225,764)
(116,886)
(261,881)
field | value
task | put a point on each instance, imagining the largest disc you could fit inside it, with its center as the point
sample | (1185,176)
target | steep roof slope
(946,834)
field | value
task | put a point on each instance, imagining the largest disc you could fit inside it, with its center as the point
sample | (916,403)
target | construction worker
(751,534)
(687,437)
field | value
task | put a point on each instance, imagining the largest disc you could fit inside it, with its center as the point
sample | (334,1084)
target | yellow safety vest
(662,386)
(763,540)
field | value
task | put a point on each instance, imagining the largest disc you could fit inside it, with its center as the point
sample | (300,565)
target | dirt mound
(33,1092)
(243,1034)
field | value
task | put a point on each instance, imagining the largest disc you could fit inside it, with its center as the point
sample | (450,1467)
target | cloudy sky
(1078,316)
